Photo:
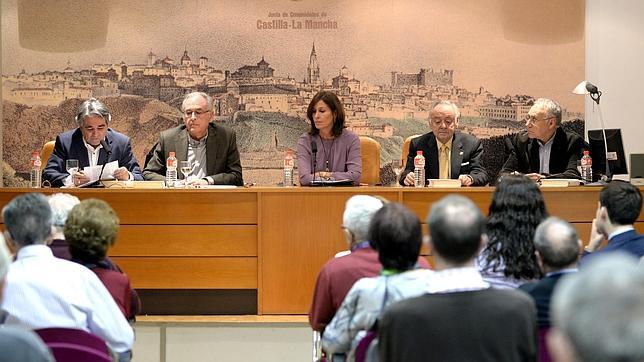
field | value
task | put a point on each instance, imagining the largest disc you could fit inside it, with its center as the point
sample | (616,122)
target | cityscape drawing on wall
(262,64)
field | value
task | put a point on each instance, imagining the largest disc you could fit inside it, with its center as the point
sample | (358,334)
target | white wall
(615,64)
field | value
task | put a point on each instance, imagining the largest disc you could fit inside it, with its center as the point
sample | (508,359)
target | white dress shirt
(43,291)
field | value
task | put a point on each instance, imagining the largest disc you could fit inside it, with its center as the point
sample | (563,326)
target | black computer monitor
(616,157)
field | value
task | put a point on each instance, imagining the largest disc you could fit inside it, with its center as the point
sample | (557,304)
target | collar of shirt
(448,144)
(92,153)
(198,143)
(35,250)
(456,280)
(562,271)
(621,230)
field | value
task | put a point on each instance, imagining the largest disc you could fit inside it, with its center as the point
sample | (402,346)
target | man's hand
(409,179)
(79,178)
(198,182)
(596,238)
(121,174)
(535,176)
(466,180)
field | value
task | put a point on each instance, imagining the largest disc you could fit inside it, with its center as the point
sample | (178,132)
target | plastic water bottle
(34,174)
(171,170)
(586,167)
(289,164)
(419,169)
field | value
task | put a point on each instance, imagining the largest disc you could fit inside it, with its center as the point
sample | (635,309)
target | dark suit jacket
(222,156)
(466,158)
(69,145)
(541,291)
(567,149)
(629,242)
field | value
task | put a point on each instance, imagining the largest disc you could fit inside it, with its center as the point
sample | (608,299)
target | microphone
(314,155)
(108,151)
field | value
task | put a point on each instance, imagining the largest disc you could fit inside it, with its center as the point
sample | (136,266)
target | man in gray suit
(211,148)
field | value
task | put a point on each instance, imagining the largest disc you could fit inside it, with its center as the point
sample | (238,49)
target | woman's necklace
(328,154)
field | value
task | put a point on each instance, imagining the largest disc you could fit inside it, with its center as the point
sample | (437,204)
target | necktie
(443,162)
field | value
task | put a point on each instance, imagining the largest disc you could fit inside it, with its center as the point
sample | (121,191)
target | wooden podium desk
(262,246)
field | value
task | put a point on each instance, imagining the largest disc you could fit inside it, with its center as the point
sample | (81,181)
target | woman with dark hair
(396,234)
(90,230)
(517,208)
(337,149)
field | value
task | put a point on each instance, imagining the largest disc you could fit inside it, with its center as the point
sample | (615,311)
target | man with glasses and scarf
(545,150)
(211,148)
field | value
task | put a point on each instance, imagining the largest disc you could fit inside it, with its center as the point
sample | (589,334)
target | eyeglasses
(195,112)
(532,119)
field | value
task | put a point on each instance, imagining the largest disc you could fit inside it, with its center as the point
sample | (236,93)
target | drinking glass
(186,169)
(72,166)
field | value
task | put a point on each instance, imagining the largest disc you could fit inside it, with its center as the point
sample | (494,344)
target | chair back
(74,344)
(544,353)
(363,346)
(370,154)
(405,149)
(45,153)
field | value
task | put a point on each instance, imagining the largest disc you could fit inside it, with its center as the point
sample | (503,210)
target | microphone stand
(595,95)
(108,151)
(314,160)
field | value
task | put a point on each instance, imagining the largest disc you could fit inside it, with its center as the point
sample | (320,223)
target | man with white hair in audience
(338,275)
(43,291)
(18,344)
(598,312)
(61,204)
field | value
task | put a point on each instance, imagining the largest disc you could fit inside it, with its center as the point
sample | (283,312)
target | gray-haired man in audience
(43,291)
(557,247)
(598,313)
(462,318)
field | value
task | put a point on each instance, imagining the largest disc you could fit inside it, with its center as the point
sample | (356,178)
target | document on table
(94,172)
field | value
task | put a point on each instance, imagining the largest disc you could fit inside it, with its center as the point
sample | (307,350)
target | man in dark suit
(211,148)
(448,154)
(90,144)
(619,207)
(544,150)
(461,318)
(557,247)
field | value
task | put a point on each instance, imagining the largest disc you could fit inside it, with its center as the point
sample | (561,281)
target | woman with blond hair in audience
(90,231)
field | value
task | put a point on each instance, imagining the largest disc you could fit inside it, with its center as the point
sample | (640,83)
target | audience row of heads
(90,227)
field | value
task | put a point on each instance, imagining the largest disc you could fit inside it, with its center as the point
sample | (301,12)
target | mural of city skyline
(286,52)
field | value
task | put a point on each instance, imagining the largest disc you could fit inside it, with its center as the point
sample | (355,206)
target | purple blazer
(343,155)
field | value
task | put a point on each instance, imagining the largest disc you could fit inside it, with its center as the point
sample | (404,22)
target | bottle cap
(586,152)
(35,154)
(419,153)
(172,154)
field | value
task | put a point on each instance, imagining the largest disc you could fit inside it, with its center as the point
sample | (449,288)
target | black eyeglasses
(195,112)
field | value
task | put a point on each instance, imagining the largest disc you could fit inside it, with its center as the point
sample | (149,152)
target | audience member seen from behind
(18,344)
(61,204)
(338,275)
(45,292)
(396,234)
(210,146)
(449,154)
(620,204)
(91,230)
(557,247)
(598,313)
(460,318)
(84,144)
(544,150)
(338,149)
(517,208)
